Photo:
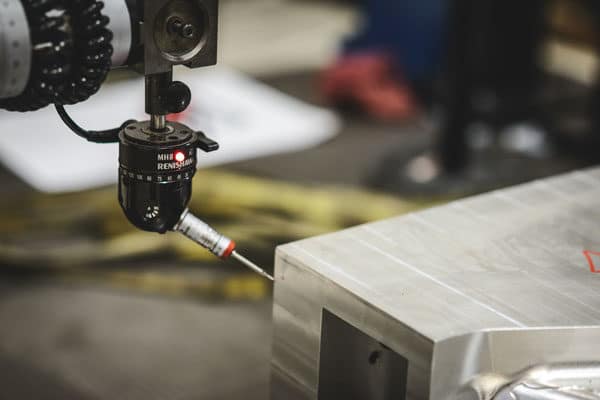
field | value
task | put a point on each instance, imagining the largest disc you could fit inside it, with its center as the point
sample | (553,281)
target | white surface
(264,37)
(247,118)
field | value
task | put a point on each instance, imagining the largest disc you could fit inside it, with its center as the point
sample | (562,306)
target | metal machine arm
(60,52)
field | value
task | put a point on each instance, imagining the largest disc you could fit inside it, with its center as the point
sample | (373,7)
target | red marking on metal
(588,254)
(229,250)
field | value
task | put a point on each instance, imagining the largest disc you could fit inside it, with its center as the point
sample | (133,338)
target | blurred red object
(372,82)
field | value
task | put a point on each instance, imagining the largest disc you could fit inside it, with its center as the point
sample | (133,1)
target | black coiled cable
(48,44)
(92,51)
(71,53)
(71,58)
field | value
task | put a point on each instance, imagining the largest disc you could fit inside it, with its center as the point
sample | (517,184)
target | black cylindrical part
(155,174)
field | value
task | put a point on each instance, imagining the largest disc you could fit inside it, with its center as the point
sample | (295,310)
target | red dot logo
(179,156)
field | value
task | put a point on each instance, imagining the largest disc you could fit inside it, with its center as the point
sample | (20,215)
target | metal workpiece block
(424,303)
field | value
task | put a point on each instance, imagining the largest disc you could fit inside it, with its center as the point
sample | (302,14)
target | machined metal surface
(563,381)
(15,48)
(158,122)
(492,284)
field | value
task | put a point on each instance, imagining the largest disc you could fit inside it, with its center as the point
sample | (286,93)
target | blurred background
(426,101)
